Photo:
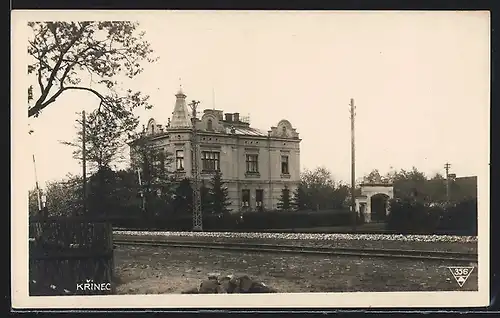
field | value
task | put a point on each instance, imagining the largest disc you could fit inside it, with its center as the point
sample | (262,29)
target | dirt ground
(160,270)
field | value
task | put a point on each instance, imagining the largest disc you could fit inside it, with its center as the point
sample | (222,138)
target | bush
(460,219)
(291,220)
(408,216)
(254,221)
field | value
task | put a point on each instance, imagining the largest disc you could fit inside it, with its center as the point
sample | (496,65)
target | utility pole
(197,213)
(84,167)
(353,167)
(447,169)
(37,187)
(143,195)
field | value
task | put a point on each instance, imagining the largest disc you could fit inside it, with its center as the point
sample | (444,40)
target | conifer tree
(299,199)
(183,197)
(206,199)
(219,195)
(284,203)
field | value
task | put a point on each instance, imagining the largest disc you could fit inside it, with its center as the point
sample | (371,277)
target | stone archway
(379,207)
(374,201)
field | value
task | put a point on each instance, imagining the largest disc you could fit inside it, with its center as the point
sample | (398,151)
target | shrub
(460,219)
(254,221)
(408,216)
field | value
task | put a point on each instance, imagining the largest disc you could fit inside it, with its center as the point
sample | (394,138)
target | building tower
(181,117)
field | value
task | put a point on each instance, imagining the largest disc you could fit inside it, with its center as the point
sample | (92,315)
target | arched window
(283,130)
(209,124)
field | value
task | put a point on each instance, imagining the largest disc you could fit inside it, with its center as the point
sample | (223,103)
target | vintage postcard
(240,159)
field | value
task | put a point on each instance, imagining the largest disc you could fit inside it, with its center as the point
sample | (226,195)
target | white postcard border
(19,218)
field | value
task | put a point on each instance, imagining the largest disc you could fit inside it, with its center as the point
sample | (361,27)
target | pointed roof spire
(180,92)
(181,118)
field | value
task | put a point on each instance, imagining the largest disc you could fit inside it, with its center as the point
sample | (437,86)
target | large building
(256,165)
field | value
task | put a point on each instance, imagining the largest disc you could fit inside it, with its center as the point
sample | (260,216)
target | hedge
(413,217)
(252,221)
(405,217)
(460,219)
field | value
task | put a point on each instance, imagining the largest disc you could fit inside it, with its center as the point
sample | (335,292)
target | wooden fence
(70,256)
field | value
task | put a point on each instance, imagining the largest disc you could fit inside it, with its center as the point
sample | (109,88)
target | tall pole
(37,187)
(353,167)
(447,169)
(143,194)
(84,167)
(197,213)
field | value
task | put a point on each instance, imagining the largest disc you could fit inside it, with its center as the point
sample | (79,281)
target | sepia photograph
(296,159)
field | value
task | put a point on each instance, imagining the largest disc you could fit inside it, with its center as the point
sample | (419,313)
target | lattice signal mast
(197,213)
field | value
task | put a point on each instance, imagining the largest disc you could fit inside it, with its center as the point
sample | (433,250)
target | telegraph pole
(84,167)
(197,213)
(39,197)
(37,187)
(447,169)
(143,194)
(353,167)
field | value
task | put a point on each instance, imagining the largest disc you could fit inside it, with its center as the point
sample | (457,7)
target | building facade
(255,165)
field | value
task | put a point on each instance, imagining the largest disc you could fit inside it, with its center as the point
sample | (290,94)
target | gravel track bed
(160,270)
(465,247)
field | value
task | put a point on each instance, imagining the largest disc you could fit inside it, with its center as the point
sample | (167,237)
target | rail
(457,257)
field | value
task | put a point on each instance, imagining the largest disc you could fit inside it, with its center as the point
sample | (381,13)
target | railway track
(456,257)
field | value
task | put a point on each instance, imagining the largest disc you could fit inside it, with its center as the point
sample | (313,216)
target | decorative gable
(284,129)
(211,121)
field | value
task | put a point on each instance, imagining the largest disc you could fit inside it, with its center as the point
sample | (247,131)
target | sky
(419,80)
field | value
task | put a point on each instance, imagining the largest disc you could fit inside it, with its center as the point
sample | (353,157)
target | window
(252,163)
(179,159)
(284,165)
(245,197)
(161,159)
(210,160)
(259,198)
(209,124)
(153,157)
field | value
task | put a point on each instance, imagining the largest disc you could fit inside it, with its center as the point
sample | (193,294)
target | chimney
(236,117)
(229,117)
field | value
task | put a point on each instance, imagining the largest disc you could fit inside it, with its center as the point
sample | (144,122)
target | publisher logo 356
(461,273)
